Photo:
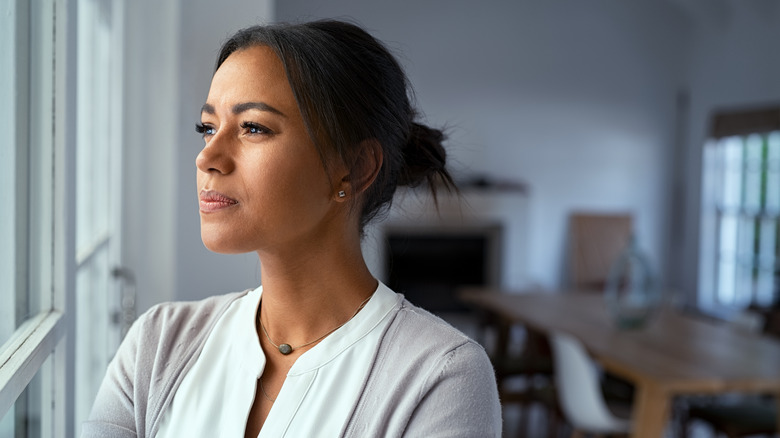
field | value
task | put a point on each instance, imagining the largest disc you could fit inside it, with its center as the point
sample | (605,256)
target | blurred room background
(551,107)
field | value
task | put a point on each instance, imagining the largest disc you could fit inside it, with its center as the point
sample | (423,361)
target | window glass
(27,323)
(746,208)
(26,78)
(13,93)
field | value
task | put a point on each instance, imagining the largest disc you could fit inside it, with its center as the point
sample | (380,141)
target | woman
(308,131)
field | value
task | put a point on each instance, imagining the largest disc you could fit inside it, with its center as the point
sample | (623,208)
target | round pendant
(285,349)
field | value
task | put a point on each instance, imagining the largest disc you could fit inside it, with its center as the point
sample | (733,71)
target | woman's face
(261,183)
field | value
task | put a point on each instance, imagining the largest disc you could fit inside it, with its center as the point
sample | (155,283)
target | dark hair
(350,89)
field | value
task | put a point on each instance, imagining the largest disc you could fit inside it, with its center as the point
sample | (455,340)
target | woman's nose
(216,156)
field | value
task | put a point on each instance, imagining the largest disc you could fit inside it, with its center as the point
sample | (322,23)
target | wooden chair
(596,240)
(533,364)
(771,324)
(752,416)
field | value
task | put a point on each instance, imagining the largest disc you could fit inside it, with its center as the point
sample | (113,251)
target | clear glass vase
(631,292)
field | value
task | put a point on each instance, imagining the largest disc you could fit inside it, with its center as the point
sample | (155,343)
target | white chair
(579,390)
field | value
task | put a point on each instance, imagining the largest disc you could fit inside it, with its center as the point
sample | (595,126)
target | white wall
(151,96)
(205,26)
(575,98)
(171,50)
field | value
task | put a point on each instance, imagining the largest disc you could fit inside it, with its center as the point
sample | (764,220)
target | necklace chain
(265,394)
(287,348)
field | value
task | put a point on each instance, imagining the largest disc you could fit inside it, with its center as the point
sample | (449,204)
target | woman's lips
(211,201)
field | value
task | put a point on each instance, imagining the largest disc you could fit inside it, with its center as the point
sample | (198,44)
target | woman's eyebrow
(241,107)
(262,106)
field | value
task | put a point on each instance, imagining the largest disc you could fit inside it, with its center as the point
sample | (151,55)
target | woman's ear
(364,170)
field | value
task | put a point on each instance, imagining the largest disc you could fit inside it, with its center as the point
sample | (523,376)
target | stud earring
(342,194)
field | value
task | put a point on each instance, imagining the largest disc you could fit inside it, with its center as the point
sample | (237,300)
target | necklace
(286,349)
(265,394)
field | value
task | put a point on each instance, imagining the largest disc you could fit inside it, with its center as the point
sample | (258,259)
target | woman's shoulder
(174,312)
(420,326)
(171,328)
(160,345)
(417,341)
(443,375)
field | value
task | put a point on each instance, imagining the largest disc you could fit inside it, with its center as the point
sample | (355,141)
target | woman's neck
(307,294)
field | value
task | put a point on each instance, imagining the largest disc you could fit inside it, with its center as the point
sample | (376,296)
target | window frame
(50,246)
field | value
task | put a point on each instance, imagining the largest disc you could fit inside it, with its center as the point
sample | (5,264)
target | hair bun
(424,158)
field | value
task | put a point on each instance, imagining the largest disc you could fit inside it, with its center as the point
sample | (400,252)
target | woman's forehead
(254,74)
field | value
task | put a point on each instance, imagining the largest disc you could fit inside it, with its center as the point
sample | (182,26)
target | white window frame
(51,244)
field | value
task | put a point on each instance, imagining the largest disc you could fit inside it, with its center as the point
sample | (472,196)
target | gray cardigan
(426,380)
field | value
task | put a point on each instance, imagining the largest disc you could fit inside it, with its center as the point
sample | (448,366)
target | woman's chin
(222,245)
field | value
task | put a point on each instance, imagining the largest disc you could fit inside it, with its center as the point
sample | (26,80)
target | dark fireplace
(429,264)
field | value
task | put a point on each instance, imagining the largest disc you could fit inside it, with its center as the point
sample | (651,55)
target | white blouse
(318,394)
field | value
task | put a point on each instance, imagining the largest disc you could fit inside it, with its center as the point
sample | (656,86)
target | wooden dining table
(674,354)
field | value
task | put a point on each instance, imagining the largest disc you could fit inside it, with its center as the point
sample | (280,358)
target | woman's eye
(254,128)
(205,130)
